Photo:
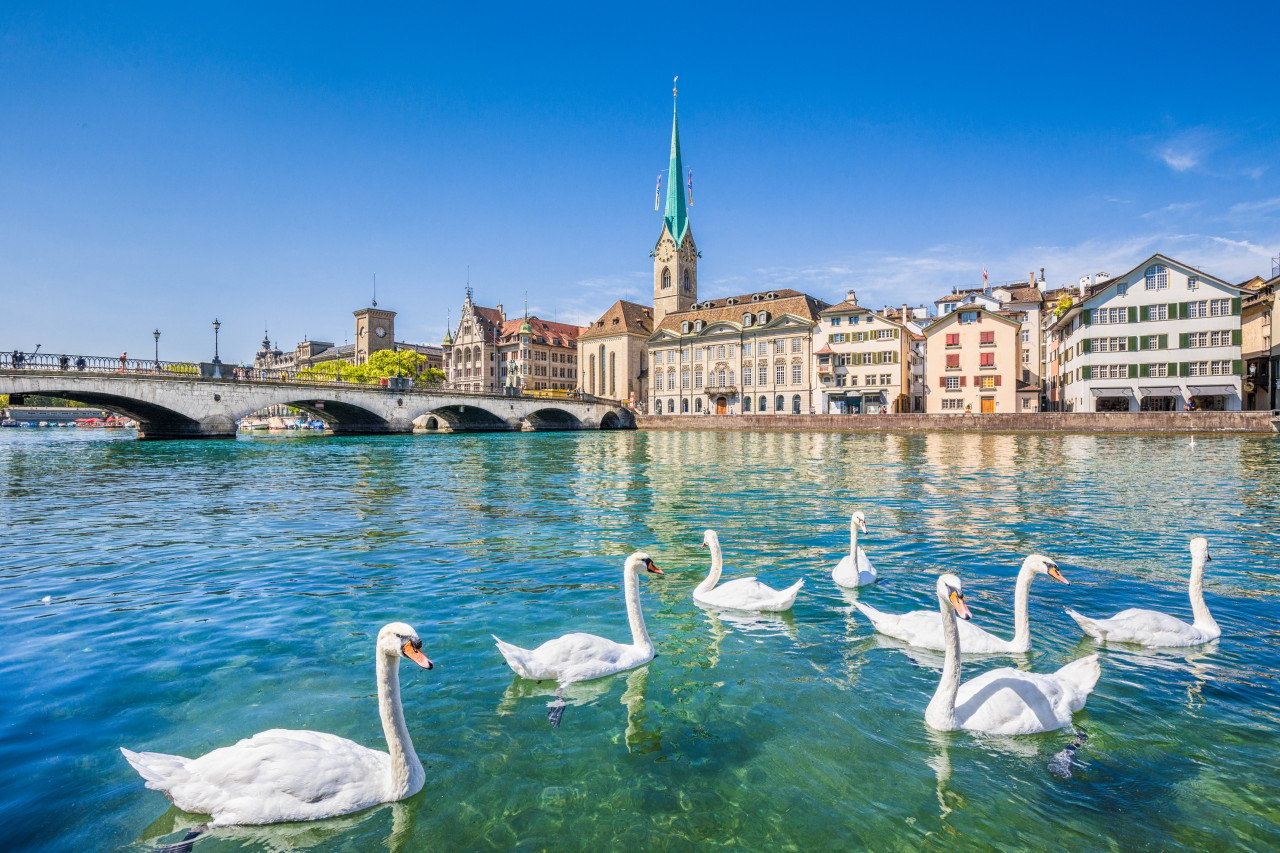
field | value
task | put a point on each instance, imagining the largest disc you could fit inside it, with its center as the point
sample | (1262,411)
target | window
(835,321)
(1110,344)
(697,378)
(671,356)
(953,340)
(796,344)
(953,383)
(886,378)
(780,375)
(746,404)
(762,348)
(1106,316)
(953,361)
(883,334)
(1198,368)
(779,346)
(1122,289)
(684,356)
(853,380)
(1220,368)
(837,339)
(1198,309)
(762,317)
(953,403)
(657,381)
(987,339)
(671,406)
(987,381)
(720,351)
(731,382)
(795,374)
(969,316)
(720,379)
(731,353)
(1157,312)
(1153,342)
(746,376)
(1026,356)
(1219,307)
(684,379)
(1160,370)
(1193,283)
(795,405)
(779,403)
(666,278)
(1026,335)
(748,319)
(684,327)
(986,359)
(1157,277)
(697,405)
(1026,402)
(763,405)
(697,353)
(685,282)
(684,406)
(1110,371)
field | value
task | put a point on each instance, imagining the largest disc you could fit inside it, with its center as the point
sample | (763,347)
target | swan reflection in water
(166,832)
(638,738)
(1191,660)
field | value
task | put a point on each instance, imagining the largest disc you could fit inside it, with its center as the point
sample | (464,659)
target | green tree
(382,364)
(1063,305)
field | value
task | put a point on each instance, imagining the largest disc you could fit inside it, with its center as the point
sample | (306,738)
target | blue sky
(163,164)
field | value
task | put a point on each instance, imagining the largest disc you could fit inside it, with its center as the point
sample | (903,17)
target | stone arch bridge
(168,406)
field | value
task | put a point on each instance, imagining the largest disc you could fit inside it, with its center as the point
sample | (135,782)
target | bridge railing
(122,365)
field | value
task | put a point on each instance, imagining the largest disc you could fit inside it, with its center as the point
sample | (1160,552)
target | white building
(1162,337)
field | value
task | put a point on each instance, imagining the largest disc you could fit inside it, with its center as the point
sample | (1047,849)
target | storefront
(1212,398)
(1158,398)
(1113,399)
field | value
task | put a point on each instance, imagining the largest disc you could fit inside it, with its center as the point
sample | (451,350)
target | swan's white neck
(1021,610)
(941,713)
(639,634)
(717,566)
(407,775)
(853,541)
(1204,620)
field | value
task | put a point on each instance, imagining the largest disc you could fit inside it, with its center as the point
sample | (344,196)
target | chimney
(851,296)
(1041,282)
(904,316)
(1084,283)
(1031,279)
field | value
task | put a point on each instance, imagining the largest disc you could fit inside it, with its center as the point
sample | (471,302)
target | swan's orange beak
(957,601)
(1057,575)
(651,566)
(414,653)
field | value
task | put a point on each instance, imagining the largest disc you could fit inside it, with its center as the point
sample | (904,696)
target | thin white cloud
(1176,207)
(1246,208)
(1186,150)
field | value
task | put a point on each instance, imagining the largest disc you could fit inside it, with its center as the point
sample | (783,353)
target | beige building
(612,353)
(488,352)
(866,363)
(973,359)
(1260,344)
(374,330)
(739,355)
(471,351)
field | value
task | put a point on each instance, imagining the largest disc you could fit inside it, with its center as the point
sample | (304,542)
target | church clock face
(380,332)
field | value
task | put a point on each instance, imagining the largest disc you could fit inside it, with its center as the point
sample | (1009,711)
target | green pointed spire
(676,214)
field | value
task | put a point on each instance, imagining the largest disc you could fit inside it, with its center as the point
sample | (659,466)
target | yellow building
(973,364)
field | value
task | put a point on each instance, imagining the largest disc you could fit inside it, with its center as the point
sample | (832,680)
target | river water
(176,597)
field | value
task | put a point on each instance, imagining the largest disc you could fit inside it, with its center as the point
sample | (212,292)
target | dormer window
(755,297)
(697,325)
(748,319)
(762,317)
(731,301)
(684,327)
(771,295)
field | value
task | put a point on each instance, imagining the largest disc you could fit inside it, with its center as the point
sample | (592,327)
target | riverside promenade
(1081,422)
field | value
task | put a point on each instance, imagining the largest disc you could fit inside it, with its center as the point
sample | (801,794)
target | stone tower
(675,257)
(375,330)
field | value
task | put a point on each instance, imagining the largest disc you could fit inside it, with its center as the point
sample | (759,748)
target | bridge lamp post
(217,362)
(156,335)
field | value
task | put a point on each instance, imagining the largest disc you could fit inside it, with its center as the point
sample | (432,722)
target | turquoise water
(200,592)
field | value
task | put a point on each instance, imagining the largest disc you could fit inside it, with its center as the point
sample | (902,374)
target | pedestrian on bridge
(124,356)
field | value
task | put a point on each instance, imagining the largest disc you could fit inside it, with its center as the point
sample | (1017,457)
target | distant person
(64,362)
(18,358)
(124,357)
(80,363)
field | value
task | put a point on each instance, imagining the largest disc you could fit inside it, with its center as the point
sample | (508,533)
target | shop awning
(1159,391)
(1112,392)
(1211,390)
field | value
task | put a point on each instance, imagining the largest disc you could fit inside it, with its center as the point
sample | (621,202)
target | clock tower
(375,330)
(675,257)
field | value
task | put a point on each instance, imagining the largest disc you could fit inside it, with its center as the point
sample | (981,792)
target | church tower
(675,257)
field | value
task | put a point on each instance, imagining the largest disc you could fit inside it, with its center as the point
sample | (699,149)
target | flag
(984,276)
(657,192)
(689,184)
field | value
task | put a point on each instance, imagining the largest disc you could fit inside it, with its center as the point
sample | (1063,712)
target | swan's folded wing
(1012,702)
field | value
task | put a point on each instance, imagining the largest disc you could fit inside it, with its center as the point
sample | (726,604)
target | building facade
(613,354)
(864,362)
(1162,337)
(748,354)
(973,358)
(374,331)
(488,352)
(1260,345)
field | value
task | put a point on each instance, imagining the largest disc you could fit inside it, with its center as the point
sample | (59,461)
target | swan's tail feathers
(788,595)
(873,616)
(516,658)
(1089,626)
(1081,676)
(160,771)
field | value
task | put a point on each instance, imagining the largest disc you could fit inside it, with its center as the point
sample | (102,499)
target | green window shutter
(1133,371)
(1164,342)
(1183,338)
(895,333)
(1172,368)
(1142,343)
(1183,311)
(1184,368)
(1086,317)
(1235,337)
(1144,313)
(1133,344)
(1145,370)
(1087,345)
(1133,314)
(1235,305)
(1172,308)
(1086,372)
(1237,367)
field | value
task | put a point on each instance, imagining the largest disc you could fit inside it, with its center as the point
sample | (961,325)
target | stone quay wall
(1239,422)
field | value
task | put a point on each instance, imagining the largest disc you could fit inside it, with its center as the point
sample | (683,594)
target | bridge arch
(552,418)
(618,419)
(342,418)
(465,418)
(154,421)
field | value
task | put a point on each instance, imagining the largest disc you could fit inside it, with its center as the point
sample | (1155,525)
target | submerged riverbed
(179,596)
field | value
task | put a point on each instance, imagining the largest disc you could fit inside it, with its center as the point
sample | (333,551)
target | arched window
(591,374)
(746,404)
(764,405)
(780,404)
(684,327)
(795,405)
(613,378)
(1157,276)
(748,319)
(671,407)
(762,317)
(697,405)
(666,278)
(684,406)
(685,282)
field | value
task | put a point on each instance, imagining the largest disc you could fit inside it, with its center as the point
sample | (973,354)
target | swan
(846,573)
(1152,628)
(1002,701)
(582,657)
(923,628)
(741,593)
(284,775)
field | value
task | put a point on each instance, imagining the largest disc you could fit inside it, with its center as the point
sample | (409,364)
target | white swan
(741,593)
(284,775)
(1002,701)
(582,657)
(1152,628)
(923,628)
(854,569)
